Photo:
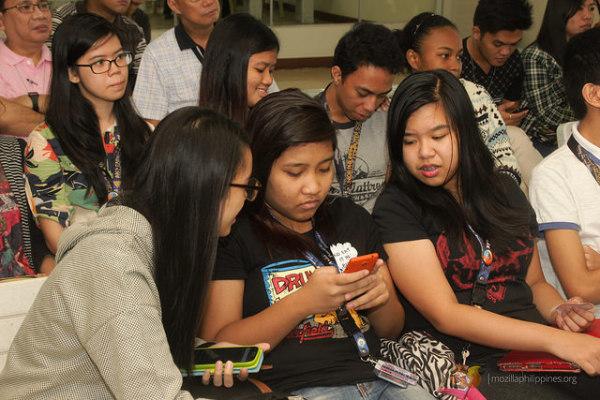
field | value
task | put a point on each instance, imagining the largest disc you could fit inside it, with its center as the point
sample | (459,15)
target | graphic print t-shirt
(317,352)
(370,166)
(400,220)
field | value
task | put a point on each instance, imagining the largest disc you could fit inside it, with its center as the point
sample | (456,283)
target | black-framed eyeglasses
(28,7)
(251,188)
(102,66)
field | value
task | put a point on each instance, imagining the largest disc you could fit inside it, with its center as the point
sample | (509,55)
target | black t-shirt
(317,352)
(400,219)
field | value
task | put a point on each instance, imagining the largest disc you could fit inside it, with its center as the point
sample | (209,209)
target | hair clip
(421,23)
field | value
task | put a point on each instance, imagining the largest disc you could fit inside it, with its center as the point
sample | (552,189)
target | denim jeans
(374,390)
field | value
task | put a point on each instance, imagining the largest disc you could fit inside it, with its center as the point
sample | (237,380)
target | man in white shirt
(565,187)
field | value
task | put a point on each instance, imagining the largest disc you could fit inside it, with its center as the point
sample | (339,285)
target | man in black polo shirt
(490,56)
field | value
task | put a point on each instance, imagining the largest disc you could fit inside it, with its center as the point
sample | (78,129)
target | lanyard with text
(583,156)
(352,152)
(344,173)
(480,284)
(112,148)
(344,317)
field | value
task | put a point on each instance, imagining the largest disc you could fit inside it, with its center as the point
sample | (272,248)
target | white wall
(305,41)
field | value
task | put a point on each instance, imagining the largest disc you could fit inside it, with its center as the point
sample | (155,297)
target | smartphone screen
(207,355)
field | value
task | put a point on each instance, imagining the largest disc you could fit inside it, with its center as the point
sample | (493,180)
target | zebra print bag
(417,352)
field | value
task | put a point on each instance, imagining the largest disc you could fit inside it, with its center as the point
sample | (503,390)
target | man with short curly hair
(365,62)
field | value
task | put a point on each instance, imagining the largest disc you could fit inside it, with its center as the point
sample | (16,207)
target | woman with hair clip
(118,317)
(461,243)
(430,41)
(92,137)
(277,276)
(543,88)
(238,67)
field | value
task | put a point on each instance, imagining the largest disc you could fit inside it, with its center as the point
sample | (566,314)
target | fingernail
(229,364)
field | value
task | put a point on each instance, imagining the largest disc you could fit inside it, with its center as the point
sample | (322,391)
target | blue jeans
(374,390)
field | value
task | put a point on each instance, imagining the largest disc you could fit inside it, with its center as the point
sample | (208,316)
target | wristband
(34,96)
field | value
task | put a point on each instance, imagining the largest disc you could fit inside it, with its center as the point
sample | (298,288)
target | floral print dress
(56,188)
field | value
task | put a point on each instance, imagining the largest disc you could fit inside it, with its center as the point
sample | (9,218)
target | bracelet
(34,96)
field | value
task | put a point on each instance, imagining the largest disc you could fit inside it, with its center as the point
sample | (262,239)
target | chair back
(16,297)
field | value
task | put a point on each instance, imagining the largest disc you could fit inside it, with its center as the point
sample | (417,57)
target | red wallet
(534,361)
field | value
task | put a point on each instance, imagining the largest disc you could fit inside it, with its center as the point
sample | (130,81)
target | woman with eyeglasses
(118,317)
(278,275)
(92,137)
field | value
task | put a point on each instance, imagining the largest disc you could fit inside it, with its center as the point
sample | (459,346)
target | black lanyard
(480,284)
(343,315)
(586,158)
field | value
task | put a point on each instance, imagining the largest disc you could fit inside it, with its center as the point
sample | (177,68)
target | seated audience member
(543,89)
(133,282)
(169,76)
(461,242)
(132,35)
(490,57)
(138,15)
(23,250)
(76,160)
(238,69)
(365,61)
(25,64)
(566,185)
(277,276)
(431,41)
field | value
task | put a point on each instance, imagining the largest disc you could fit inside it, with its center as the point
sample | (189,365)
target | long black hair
(72,118)
(552,37)
(223,84)
(416,30)
(483,201)
(279,121)
(180,186)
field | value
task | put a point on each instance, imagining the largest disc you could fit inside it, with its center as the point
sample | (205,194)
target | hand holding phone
(248,357)
(363,262)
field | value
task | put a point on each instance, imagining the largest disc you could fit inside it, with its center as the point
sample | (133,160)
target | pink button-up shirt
(19,76)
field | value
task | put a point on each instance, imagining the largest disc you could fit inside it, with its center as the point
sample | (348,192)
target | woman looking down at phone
(276,279)
(448,218)
(118,316)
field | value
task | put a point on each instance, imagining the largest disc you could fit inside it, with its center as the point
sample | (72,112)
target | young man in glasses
(130,33)
(25,65)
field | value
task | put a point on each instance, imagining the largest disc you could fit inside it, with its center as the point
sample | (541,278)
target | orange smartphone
(363,262)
